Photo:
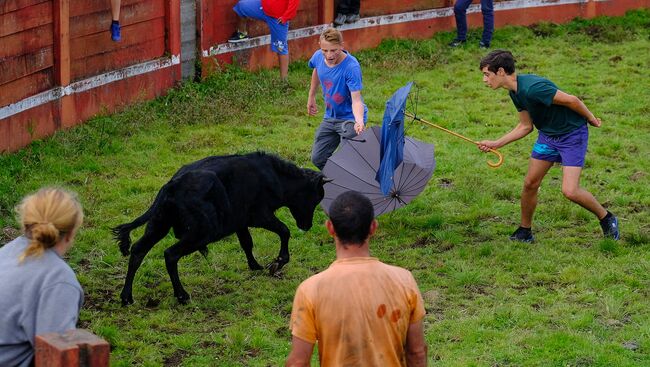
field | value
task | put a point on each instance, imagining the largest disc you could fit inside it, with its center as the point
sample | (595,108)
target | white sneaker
(340,19)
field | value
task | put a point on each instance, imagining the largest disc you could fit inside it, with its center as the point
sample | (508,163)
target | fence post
(74,348)
(63,112)
(325,11)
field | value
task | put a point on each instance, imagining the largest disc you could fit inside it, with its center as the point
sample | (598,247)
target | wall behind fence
(59,67)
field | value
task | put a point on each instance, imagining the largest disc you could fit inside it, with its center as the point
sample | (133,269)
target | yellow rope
(491,164)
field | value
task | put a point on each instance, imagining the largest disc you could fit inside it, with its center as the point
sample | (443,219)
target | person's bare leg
(242,25)
(537,169)
(572,191)
(284,66)
(115,9)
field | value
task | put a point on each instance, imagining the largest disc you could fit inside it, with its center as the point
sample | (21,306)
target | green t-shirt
(535,95)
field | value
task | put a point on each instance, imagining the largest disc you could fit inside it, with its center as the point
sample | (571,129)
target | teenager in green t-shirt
(561,120)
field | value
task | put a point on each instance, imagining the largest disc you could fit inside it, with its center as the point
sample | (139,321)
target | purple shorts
(568,149)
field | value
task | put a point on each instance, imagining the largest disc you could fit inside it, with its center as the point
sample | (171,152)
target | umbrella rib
(364,159)
(352,174)
(420,183)
(402,179)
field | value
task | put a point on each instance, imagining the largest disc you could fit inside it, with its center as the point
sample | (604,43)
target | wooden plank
(99,43)
(61,42)
(119,58)
(19,130)
(173,26)
(26,86)
(7,6)
(325,11)
(87,6)
(18,67)
(73,348)
(26,42)
(26,18)
(205,24)
(90,23)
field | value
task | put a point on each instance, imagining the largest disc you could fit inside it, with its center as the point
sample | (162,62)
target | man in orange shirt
(276,14)
(360,311)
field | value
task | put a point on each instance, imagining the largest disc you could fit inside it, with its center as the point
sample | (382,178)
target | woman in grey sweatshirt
(39,292)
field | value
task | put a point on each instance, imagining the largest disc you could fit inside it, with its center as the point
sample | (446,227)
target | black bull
(217,196)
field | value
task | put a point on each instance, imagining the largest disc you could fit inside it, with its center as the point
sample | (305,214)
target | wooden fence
(59,67)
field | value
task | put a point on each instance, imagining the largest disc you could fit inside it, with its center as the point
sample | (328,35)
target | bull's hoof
(275,266)
(183,299)
(255,266)
(127,300)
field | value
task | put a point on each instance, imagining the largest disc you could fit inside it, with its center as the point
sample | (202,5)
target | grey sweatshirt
(39,295)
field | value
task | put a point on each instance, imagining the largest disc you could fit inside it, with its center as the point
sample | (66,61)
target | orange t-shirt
(359,311)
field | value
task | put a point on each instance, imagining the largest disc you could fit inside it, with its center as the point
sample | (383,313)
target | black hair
(498,59)
(351,215)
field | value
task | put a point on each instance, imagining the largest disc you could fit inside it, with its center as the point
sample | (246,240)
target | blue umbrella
(391,151)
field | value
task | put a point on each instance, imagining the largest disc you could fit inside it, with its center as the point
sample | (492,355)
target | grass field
(570,299)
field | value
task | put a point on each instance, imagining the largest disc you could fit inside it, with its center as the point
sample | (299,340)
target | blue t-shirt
(535,95)
(337,83)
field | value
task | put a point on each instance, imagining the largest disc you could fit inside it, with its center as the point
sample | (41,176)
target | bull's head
(304,202)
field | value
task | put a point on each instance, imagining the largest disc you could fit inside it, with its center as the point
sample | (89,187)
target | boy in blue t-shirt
(339,74)
(563,135)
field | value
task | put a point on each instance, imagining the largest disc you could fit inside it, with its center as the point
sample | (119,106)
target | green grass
(570,299)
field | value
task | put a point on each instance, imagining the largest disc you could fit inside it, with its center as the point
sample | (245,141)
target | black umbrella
(354,167)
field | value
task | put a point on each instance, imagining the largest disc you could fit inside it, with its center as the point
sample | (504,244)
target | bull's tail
(122,233)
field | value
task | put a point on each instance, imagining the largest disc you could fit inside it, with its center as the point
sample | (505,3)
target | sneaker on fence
(352,18)
(609,224)
(238,37)
(340,19)
(116,34)
(522,235)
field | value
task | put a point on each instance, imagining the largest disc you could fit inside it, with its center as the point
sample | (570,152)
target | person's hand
(359,127)
(595,122)
(486,145)
(312,107)
(281,21)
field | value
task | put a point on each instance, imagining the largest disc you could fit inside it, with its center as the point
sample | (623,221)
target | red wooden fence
(58,66)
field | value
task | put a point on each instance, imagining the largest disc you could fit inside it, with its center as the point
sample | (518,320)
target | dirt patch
(99,299)
(8,234)
(636,176)
(152,303)
(421,242)
(207,345)
(445,183)
(543,30)
(615,59)
(175,359)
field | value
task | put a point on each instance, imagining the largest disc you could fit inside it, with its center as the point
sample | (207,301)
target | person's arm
(416,347)
(312,107)
(357,111)
(290,12)
(300,355)
(523,128)
(574,103)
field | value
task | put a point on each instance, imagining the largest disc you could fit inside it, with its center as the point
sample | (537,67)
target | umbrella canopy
(354,167)
(391,150)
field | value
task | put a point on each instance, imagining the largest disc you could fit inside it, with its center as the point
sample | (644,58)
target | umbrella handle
(499,158)
(491,164)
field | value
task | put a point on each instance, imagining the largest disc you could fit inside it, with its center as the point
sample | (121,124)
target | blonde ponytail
(46,217)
